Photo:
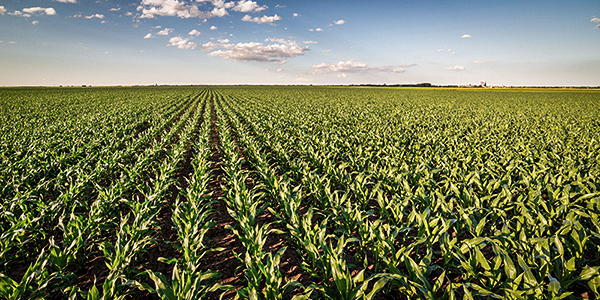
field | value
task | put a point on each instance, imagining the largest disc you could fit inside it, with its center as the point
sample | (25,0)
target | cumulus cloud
(310,42)
(211,46)
(2,10)
(339,22)
(465,36)
(248,6)
(296,15)
(165,31)
(181,43)
(67,1)
(48,11)
(254,51)
(262,20)
(194,32)
(152,8)
(99,16)
(456,68)
(219,12)
(352,66)
(318,29)
(596,20)
(35,22)
(213,27)
(148,36)
(115,9)
(479,62)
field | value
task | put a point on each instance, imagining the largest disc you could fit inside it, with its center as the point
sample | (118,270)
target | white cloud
(326,51)
(182,43)
(318,29)
(115,9)
(296,15)
(254,51)
(354,67)
(219,3)
(311,29)
(99,16)
(148,36)
(2,10)
(223,41)
(151,8)
(67,1)
(48,11)
(339,22)
(35,22)
(12,42)
(213,27)
(310,42)
(194,32)
(479,62)
(456,68)
(465,36)
(281,41)
(165,31)
(441,50)
(262,20)
(128,14)
(211,46)
(219,12)
(595,20)
(248,6)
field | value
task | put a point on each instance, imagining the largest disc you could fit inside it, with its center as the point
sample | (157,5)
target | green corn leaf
(481,259)
(589,272)
(554,286)
(163,289)
(7,286)
(93,294)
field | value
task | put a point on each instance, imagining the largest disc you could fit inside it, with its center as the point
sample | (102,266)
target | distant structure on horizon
(483,84)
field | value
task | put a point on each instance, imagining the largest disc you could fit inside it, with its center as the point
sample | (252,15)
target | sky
(443,42)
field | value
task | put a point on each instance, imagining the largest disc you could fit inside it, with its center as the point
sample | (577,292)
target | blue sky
(108,42)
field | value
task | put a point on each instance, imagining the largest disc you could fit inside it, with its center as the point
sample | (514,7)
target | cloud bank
(254,51)
(355,67)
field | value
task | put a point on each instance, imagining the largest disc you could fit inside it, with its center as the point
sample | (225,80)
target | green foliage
(432,194)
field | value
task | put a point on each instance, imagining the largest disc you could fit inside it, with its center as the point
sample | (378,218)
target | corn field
(299,193)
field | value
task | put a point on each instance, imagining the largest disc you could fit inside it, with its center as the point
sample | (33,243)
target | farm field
(299,193)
